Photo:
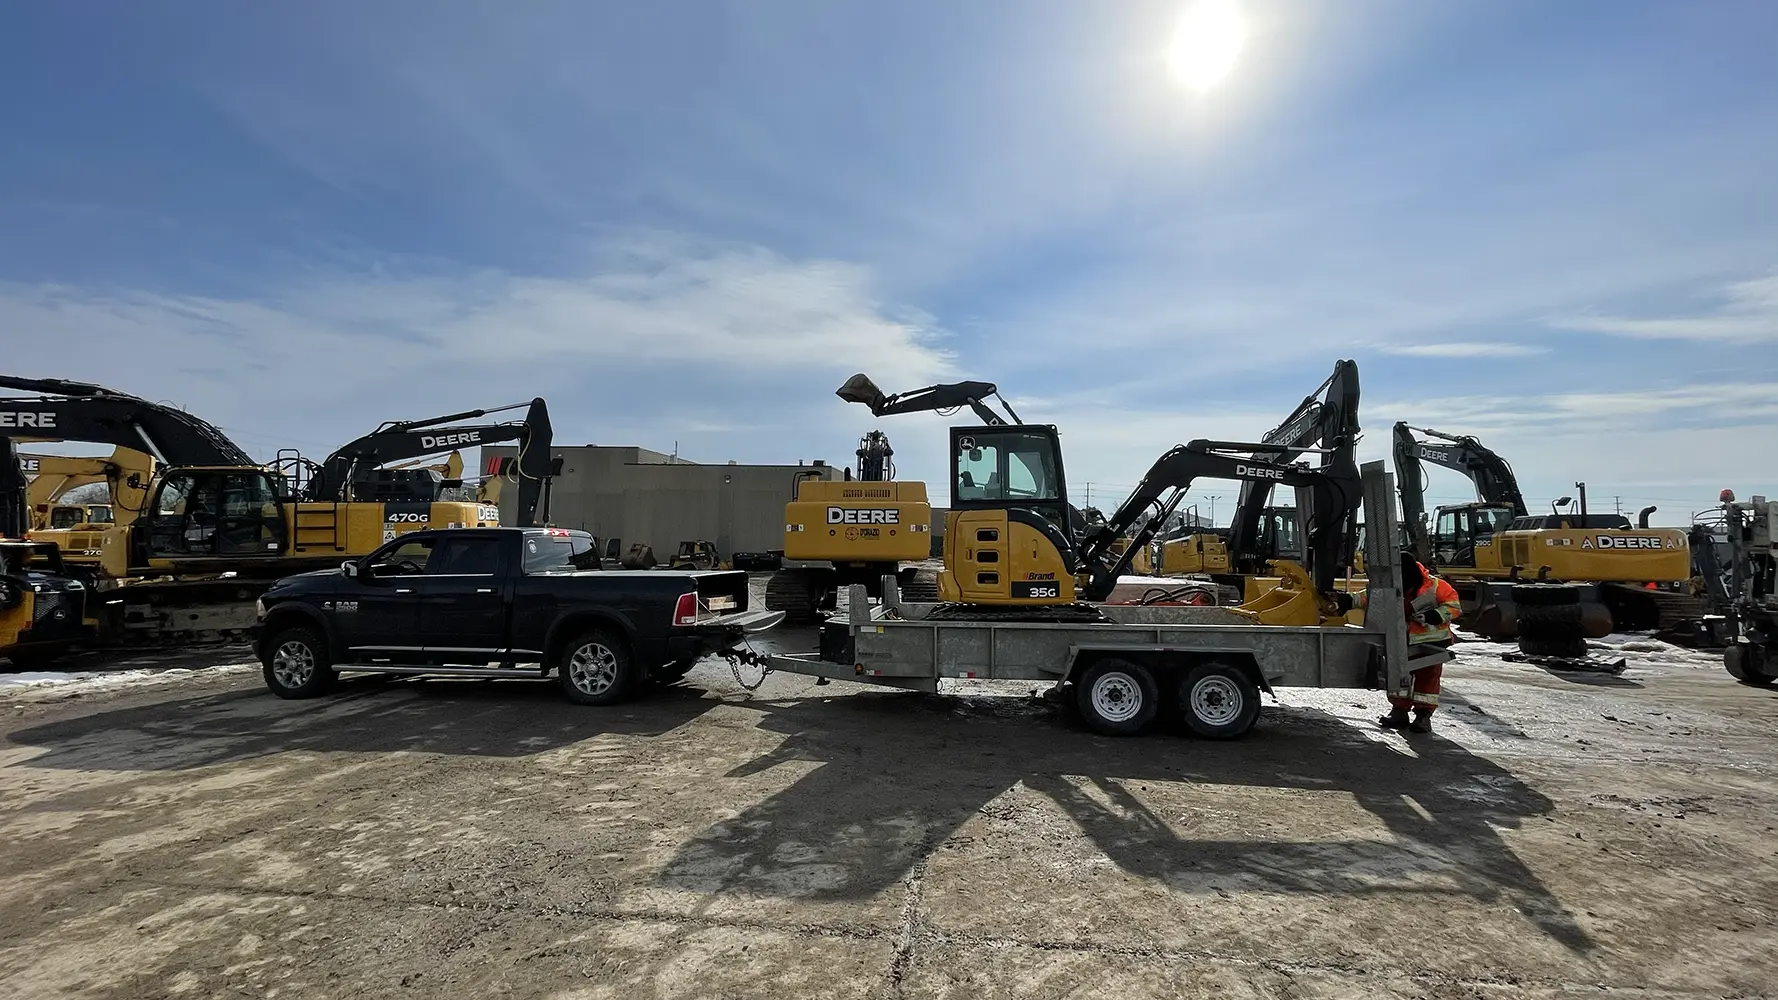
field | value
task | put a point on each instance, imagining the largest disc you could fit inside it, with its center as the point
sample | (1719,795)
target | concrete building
(639,495)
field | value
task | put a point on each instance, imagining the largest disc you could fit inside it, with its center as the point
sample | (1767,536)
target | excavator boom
(1326,421)
(397,441)
(79,411)
(946,396)
(1493,477)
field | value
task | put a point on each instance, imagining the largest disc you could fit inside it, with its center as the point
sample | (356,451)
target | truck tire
(1551,620)
(1219,701)
(298,664)
(1116,697)
(597,669)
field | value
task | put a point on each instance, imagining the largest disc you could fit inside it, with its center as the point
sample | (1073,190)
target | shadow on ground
(498,718)
(898,774)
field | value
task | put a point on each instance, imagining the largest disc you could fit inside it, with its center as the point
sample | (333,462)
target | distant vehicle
(499,602)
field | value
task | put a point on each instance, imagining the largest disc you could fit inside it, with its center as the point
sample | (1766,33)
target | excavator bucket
(1292,602)
(860,389)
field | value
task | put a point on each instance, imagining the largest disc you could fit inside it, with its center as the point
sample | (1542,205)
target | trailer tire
(298,664)
(1219,701)
(1116,697)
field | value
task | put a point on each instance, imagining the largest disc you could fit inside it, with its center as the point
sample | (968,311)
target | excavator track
(1636,609)
(797,593)
(920,587)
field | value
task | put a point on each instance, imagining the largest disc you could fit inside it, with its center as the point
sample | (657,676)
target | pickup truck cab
(498,602)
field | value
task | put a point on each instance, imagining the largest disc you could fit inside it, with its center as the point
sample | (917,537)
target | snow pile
(1639,650)
(71,682)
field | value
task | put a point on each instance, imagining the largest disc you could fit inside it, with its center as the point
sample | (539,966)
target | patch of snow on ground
(97,680)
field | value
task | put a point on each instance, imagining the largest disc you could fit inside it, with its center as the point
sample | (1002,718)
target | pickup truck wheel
(1218,701)
(597,669)
(297,664)
(1117,697)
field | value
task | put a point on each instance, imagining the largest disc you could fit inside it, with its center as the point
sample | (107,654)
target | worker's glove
(1433,616)
(1342,601)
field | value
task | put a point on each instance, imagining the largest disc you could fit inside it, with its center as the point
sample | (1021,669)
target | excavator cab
(1459,529)
(1008,537)
(198,513)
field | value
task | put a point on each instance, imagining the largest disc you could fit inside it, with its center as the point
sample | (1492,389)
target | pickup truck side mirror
(349,569)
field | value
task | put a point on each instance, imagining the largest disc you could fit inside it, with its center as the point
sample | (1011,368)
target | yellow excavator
(841,532)
(1015,549)
(217,528)
(1623,576)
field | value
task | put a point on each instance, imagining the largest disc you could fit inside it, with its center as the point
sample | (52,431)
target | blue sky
(1551,225)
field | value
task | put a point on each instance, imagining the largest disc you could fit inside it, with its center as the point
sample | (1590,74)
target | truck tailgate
(721,592)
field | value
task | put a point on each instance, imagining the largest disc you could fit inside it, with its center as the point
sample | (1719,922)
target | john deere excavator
(379,468)
(841,532)
(1623,576)
(216,528)
(1261,535)
(1012,551)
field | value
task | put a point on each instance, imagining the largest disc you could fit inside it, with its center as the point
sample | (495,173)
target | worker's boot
(1396,719)
(1422,723)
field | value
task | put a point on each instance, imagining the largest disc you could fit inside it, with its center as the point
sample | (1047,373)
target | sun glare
(1207,43)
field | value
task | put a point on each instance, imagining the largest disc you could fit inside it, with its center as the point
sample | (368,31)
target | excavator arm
(1326,420)
(1335,498)
(80,411)
(398,441)
(948,396)
(1493,477)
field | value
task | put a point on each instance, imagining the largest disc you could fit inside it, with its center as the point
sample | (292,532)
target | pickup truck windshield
(546,553)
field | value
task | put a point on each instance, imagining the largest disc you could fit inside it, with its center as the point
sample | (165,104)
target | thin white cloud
(1749,312)
(1463,349)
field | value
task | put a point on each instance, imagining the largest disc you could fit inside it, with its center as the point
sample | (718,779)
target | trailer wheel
(1116,697)
(298,664)
(597,669)
(1219,701)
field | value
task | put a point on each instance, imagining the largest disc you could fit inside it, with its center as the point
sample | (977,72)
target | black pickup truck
(498,602)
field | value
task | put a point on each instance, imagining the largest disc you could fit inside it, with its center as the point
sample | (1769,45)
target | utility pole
(1089,494)
(1619,501)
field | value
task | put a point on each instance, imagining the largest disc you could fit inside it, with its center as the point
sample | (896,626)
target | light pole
(1213,511)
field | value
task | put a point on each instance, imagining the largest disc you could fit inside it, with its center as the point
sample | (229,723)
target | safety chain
(736,657)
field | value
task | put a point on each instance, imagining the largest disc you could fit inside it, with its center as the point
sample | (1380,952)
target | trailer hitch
(736,657)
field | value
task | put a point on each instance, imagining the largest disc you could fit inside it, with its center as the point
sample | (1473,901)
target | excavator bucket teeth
(860,389)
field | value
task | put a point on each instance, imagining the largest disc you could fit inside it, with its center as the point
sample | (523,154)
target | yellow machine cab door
(1009,538)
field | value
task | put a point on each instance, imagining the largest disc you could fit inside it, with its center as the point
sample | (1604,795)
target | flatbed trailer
(1123,669)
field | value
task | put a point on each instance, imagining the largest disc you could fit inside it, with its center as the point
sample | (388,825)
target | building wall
(638,495)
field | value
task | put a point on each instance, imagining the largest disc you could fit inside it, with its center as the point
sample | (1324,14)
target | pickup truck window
(407,559)
(465,557)
(558,552)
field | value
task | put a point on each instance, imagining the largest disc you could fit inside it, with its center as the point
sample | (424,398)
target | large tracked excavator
(216,527)
(1623,576)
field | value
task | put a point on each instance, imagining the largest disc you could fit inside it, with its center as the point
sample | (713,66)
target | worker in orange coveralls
(1431,605)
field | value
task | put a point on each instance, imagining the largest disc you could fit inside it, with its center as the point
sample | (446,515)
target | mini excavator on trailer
(1017,591)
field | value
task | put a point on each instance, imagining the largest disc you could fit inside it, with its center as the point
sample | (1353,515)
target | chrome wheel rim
(1216,700)
(293,664)
(593,669)
(1117,697)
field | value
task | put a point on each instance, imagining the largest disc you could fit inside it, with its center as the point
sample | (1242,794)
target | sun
(1207,44)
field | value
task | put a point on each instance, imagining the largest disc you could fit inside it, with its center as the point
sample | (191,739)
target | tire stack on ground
(1550,620)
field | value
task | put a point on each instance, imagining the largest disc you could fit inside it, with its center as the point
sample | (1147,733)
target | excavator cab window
(1008,466)
(216,512)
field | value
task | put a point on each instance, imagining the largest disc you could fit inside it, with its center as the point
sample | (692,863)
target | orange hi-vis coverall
(1436,600)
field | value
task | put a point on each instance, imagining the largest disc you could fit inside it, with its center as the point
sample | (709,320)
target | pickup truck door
(463,597)
(378,613)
